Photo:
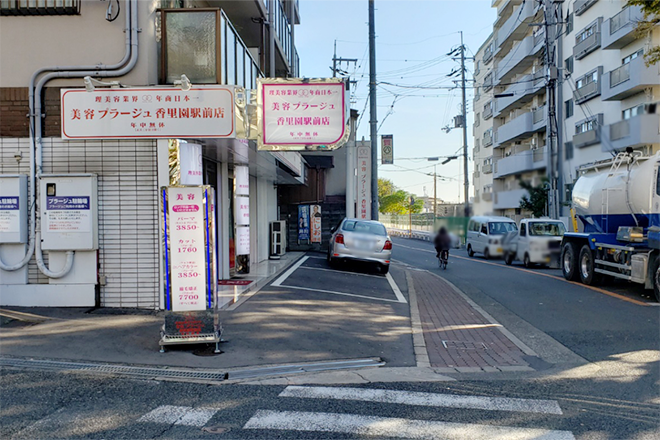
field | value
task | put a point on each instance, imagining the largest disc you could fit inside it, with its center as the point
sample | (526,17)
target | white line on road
(395,288)
(340,293)
(395,427)
(287,274)
(179,415)
(425,399)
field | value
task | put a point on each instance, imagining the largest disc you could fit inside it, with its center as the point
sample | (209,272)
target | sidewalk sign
(315,223)
(188,240)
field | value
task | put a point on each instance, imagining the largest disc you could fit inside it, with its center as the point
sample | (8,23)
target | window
(568,106)
(364,227)
(632,56)
(585,126)
(40,7)
(568,63)
(551,229)
(569,23)
(523,230)
(632,111)
(499,228)
(591,77)
(484,230)
(568,150)
(586,33)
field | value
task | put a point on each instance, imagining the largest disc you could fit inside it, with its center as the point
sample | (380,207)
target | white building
(605,94)
(482,130)
(152,42)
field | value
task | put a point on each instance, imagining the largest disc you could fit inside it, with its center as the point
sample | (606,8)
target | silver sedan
(361,240)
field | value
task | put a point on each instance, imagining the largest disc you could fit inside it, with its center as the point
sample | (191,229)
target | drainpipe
(38,144)
(35,116)
(271,38)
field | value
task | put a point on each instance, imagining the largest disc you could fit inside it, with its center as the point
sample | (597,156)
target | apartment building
(145,43)
(605,96)
(482,129)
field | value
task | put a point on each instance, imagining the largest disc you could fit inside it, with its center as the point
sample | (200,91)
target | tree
(392,200)
(651,18)
(537,201)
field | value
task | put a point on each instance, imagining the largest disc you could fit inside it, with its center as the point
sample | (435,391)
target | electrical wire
(118,11)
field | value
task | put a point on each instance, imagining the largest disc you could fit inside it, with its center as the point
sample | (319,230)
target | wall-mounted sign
(315,223)
(152,112)
(190,159)
(243,240)
(10,214)
(188,247)
(242,210)
(295,114)
(68,214)
(303,222)
(387,149)
(242,176)
(363,181)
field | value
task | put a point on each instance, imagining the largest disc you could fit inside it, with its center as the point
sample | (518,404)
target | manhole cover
(462,345)
(207,351)
(216,429)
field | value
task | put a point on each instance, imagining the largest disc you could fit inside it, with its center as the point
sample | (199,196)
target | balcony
(508,199)
(487,197)
(520,58)
(517,25)
(589,44)
(523,91)
(204,45)
(488,110)
(521,127)
(488,138)
(582,5)
(619,30)
(40,7)
(488,53)
(634,132)
(487,169)
(590,137)
(488,82)
(521,162)
(589,90)
(629,79)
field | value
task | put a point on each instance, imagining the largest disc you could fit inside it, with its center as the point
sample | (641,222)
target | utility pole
(373,117)
(465,144)
(551,131)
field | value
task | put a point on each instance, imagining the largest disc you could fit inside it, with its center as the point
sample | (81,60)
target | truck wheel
(569,261)
(656,284)
(586,266)
(470,251)
(527,262)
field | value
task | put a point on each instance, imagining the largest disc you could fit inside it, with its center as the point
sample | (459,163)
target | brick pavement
(456,334)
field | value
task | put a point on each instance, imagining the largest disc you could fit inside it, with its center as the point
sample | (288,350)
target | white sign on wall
(242,175)
(68,214)
(10,214)
(190,158)
(187,259)
(242,216)
(243,240)
(364,182)
(151,112)
(296,114)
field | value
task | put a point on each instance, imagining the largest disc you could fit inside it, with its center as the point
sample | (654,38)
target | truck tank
(613,196)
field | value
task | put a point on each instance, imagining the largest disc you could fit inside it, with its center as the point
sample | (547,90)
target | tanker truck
(618,203)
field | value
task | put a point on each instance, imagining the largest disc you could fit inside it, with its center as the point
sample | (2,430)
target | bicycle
(443,259)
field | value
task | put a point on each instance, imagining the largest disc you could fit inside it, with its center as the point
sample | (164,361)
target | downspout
(133,57)
(33,133)
(271,38)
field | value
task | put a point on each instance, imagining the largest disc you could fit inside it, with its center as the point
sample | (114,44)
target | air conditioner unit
(277,239)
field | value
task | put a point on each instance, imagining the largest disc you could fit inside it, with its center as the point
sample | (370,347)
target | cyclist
(442,243)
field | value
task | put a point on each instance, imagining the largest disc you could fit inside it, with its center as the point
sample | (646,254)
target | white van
(484,235)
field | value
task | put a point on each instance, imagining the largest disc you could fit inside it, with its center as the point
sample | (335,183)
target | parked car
(484,235)
(361,240)
(537,241)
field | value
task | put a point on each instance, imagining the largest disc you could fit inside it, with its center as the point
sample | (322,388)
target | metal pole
(271,39)
(351,163)
(435,194)
(465,145)
(334,62)
(551,73)
(373,120)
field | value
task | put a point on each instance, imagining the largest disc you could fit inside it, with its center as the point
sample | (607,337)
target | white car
(538,241)
(361,240)
(484,235)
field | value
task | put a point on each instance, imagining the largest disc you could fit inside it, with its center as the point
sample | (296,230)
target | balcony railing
(488,139)
(40,7)
(619,75)
(586,46)
(639,130)
(589,90)
(582,5)
(488,110)
(589,137)
(487,169)
(488,82)
(629,79)
(487,196)
(538,115)
(619,30)
(488,53)
(283,32)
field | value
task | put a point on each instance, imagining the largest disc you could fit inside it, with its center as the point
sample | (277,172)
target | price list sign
(188,247)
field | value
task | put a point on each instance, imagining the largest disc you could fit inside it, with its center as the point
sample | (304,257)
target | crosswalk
(538,411)
(369,425)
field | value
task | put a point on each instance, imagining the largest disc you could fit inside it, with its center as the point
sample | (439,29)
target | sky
(413,38)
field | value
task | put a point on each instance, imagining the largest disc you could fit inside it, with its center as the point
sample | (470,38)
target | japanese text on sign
(303,222)
(68,214)
(364,182)
(315,224)
(296,114)
(9,214)
(187,248)
(147,113)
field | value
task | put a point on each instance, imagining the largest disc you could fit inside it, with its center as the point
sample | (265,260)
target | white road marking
(179,415)
(287,274)
(317,258)
(425,399)
(395,288)
(395,427)
(340,293)
(341,271)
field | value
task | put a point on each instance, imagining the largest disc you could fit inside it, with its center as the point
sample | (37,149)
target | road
(593,376)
